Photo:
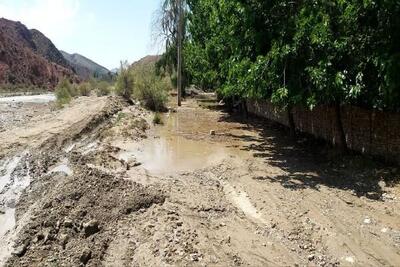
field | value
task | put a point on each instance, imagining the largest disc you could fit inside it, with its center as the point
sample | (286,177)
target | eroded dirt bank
(108,188)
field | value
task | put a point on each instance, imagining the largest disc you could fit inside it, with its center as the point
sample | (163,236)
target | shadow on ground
(310,163)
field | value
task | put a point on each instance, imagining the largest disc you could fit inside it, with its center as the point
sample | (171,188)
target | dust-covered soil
(107,188)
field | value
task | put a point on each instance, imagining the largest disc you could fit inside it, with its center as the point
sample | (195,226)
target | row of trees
(307,52)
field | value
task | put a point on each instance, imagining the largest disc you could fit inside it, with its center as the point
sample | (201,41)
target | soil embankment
(108,188)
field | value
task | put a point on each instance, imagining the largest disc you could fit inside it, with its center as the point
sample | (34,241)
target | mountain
(48,50)
(114,70)
(29,58)
(151,59)
(84,67)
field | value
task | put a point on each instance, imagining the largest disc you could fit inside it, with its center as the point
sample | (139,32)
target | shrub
(142,83)
(157,118)
(84,89)
(125,82)
(64,92)
(149,88)
(103,88)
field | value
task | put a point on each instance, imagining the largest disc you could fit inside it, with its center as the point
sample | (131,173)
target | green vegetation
(157,118)
(64,92)
(125,82)
(120,117)
(20,89)
(149,88)
(142,83)
(84,89)
(297,52)
(103,88)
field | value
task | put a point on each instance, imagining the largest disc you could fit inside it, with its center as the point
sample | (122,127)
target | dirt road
(205,189)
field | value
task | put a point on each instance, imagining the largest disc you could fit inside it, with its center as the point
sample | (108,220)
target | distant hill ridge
(85,67)
(151,59)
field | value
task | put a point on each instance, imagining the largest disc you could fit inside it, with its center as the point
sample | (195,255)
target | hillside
(151,59)
(28,58)
(84,67)
(47,49)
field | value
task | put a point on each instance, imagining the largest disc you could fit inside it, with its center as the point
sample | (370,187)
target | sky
(106,31)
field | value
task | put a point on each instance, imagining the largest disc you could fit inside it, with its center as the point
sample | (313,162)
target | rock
(212,132)
(171,109)
(373,195)
(311,257)
(388,197)
(194,257)
(91,227)
(367,221)
(20,250)
(2,211)
(68,223)
(85,256)
(384,230)
(64,238)
(350,259)
(39,237)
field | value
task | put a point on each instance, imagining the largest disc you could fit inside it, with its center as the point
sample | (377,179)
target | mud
(168,151)
(106,187)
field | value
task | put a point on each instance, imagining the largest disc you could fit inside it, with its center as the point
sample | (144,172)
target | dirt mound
(75,199)
(73,224)
(21,61)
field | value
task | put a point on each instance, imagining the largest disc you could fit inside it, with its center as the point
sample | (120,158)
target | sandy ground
(106,187)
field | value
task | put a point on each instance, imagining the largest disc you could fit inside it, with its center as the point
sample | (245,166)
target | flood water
(12,184)
(176,146)
(45,98)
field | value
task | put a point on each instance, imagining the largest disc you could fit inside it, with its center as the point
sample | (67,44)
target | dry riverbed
(97,184)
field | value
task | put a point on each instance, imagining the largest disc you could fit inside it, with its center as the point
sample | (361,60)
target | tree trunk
(340,135)
(179,67)
(244,108)
(292,126)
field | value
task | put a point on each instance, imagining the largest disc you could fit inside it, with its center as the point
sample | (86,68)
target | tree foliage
(306,52)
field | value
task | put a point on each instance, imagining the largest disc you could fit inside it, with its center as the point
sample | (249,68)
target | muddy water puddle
(170,154)
(176,146)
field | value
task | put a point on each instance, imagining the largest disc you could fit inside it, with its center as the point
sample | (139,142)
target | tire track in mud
(17,170)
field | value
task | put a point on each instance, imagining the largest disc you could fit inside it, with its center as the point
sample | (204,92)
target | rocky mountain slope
(29,58)
(48,50)
(84,67)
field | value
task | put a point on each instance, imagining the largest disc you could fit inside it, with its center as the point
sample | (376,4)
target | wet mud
(206,188)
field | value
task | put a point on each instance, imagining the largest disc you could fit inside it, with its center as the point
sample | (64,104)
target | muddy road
(97,184)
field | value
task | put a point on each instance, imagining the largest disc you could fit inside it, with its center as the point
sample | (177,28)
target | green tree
(292,53)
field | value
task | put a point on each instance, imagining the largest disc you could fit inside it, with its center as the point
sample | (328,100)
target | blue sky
(105,31)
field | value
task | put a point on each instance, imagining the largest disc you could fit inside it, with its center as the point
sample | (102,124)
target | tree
(308,53)
(125,81)
(170,29)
